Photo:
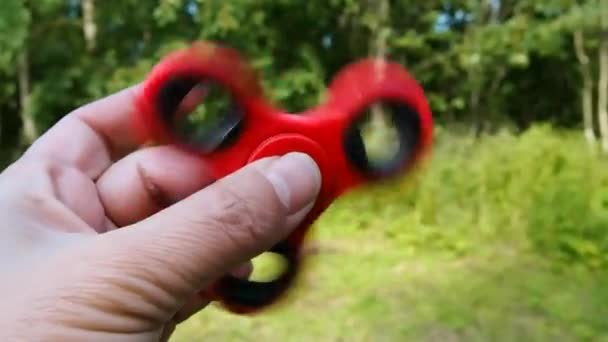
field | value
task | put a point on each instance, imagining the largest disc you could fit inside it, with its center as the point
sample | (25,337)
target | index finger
(91,137)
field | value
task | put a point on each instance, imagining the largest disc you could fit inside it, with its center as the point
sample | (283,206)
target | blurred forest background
(502,237)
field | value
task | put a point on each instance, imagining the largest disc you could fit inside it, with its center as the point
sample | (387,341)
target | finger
(39,185)
(196,304)
(149,180)
(92,136)
(183,248)
(167,332)
(243,271)
(199,301)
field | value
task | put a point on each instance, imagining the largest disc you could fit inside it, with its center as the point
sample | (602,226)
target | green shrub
(542,191)
(568,213)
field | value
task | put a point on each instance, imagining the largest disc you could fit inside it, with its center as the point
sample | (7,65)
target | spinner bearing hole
(200,112)
(383,138)
(380,135)
(268,267)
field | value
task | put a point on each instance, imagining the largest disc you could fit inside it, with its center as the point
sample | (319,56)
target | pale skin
(102,239)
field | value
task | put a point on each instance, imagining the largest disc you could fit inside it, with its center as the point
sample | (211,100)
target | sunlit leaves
(507,53)
(167,10)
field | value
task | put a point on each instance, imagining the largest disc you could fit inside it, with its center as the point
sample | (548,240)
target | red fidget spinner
(243,126)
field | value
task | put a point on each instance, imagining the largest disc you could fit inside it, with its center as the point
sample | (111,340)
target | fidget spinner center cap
(283,144)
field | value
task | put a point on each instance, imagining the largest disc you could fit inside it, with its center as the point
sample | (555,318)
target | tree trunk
(602,100)
(89,26)
(485,14)
(587,90)
(29,132)
(474,104)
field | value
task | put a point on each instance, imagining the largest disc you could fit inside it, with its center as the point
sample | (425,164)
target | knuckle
(152,188)
(244,220)
(32,182)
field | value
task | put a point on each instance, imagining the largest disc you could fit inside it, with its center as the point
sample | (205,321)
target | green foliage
(568,215)
(551,192)
(14,27)
(480,64)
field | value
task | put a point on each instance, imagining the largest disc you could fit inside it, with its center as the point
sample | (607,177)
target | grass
(503,240)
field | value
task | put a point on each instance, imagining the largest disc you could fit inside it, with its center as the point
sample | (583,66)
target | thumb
(184,248)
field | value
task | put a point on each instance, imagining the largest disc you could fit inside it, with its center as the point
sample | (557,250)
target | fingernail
(296,179)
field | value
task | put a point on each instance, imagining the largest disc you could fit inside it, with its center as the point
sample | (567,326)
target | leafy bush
(568,213)
(543,191)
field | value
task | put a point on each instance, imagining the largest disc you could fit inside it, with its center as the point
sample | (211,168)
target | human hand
(101,239)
